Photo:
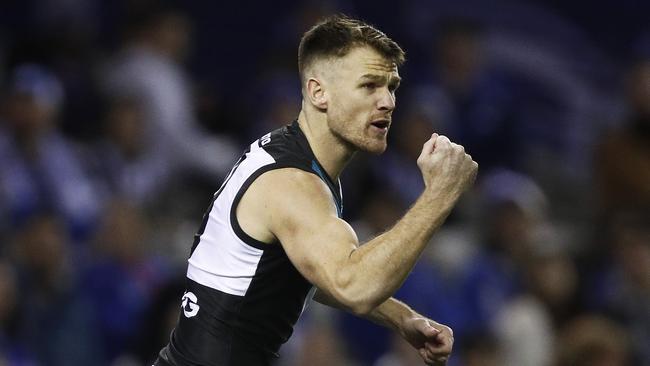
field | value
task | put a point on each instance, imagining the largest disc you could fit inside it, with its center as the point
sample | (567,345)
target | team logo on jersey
(190,305)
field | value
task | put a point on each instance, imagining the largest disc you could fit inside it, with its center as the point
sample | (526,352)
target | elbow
(362,309)
(364,304)
(358,301)
(356,305)
(356,292)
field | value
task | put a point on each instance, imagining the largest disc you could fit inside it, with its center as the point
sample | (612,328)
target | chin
(367,144)
(375,149)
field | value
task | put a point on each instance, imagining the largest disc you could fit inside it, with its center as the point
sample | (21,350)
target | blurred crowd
(118,120)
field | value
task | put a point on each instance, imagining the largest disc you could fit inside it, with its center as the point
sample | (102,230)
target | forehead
(363,60)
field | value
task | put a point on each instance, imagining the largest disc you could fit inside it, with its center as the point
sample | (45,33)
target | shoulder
(286,146)
(284,201)
(293,184)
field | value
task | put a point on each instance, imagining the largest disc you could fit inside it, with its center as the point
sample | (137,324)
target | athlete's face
(361,88)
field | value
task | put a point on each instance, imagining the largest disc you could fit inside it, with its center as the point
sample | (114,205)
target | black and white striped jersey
(240,289)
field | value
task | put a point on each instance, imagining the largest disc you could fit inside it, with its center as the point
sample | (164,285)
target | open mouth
(381,124)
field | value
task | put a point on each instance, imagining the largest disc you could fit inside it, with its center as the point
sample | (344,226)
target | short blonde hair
(337,35)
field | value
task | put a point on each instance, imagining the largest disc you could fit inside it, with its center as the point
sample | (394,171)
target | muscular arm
(433,340)
(299,212)
(390,314)
(296,208)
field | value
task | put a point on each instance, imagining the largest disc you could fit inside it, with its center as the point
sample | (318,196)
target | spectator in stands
(150,70)
(56,323)
(622,160)
(40,168)
(593,341)
(13,351)
(121,164)
(621,288)
(475,102)
(122,276)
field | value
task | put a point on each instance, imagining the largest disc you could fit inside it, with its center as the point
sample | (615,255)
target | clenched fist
(434,341)
(446,169)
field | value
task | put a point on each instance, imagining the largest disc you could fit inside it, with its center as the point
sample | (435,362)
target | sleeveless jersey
(243,296)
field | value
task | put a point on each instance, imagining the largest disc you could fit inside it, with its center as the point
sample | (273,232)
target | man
(40,170)
(150,69)
(273,236)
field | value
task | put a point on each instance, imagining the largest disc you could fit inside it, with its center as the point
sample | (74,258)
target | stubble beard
(353,141)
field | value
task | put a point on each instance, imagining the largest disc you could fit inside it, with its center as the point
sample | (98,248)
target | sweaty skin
(347,107)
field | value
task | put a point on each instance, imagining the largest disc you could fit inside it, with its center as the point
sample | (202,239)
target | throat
(334,155)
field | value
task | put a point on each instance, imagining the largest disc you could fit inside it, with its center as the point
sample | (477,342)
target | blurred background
(119,119)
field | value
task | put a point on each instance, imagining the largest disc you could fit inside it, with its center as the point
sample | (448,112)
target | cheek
(351,102)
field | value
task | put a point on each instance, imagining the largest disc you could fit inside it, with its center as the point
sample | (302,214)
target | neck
(332,153)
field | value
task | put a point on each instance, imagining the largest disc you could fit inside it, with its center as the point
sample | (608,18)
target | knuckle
(451,331)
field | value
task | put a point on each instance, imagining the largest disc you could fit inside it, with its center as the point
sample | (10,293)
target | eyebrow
(380,78)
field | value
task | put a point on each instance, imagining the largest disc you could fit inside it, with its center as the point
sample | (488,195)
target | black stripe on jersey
(317,168)
(256,324)
(312,163)
(204,222)
(233,209)
(244,187)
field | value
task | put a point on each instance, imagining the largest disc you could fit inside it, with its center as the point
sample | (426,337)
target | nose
(386,101)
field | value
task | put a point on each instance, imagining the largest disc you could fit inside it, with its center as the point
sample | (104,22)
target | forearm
(378,268)
(390,314)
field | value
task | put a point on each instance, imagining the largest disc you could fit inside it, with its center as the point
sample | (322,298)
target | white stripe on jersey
(221,260)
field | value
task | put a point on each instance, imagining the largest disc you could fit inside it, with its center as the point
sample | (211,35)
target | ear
(315,93)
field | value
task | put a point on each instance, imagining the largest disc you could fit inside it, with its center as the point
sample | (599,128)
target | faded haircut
(335,36)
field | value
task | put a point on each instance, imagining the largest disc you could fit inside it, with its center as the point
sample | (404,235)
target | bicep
(305,222)
(318,247)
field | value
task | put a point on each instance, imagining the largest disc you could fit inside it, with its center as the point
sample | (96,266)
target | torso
(241,289)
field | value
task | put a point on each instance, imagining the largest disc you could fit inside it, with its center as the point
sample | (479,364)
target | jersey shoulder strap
(289,148)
